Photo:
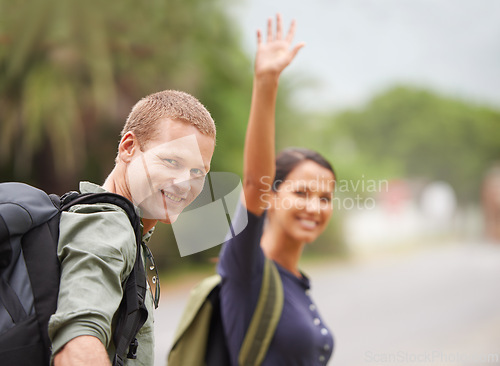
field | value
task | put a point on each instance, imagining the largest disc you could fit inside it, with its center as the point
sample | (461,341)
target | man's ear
(128,147)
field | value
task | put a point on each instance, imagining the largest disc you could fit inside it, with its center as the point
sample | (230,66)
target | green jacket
(97,250)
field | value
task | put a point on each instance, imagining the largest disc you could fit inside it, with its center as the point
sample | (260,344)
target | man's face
(169,174)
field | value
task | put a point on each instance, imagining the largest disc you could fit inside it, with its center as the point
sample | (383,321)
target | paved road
(436,306)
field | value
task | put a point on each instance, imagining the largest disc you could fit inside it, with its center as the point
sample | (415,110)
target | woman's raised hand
(276,52)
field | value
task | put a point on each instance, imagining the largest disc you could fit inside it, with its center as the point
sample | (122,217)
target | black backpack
(30,273)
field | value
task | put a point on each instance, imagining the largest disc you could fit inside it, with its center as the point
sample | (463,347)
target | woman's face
(302,204)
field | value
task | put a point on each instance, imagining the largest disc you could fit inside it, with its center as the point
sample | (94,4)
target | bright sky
(355,48)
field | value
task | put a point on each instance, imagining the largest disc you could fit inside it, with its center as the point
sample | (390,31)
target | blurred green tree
(409,132)
(70,71)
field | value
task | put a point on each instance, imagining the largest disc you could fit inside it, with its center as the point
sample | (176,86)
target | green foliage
(414,133)
(70,72)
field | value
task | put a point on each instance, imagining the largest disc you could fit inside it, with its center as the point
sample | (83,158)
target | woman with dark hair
(287,202)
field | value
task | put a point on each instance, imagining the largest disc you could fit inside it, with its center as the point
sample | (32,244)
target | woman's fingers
(296,49)
(279,32)
(269,30)
(279,35)
(291,32)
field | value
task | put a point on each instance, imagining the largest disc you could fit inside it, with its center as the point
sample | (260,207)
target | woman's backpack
(199,339)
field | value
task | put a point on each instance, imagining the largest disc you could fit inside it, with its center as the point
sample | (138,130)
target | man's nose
(182,181)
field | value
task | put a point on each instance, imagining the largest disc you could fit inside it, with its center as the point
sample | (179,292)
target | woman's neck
(282,250)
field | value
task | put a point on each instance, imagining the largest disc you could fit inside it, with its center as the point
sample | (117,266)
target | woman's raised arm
(274,54)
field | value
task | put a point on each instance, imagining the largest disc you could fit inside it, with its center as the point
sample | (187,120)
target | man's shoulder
(87,187)
(103,223)
(98,208)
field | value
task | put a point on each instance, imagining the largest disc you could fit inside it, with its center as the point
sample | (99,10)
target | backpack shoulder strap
(265,318)
(191,336)
(132,313)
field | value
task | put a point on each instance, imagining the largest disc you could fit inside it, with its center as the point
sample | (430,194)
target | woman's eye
(301,193)
(326,199)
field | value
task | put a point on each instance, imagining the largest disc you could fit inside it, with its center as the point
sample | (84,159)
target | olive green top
(97,250)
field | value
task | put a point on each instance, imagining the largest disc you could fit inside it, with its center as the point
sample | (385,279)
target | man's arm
(97,251)
(273,56)
(82,350)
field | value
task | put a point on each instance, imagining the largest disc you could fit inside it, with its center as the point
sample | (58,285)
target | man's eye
(197,172)
(172,162)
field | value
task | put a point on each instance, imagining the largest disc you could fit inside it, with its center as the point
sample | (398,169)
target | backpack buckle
(132,349)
